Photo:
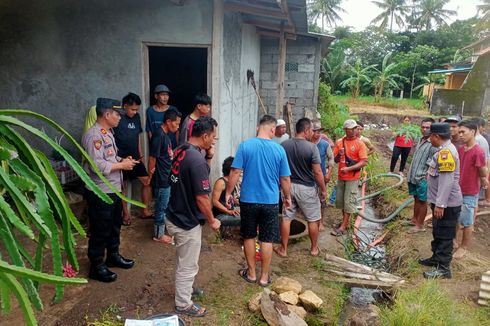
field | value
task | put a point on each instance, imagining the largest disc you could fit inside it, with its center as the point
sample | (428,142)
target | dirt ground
(148,288)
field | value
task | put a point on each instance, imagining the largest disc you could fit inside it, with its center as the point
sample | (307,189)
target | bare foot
(164,239)
(321,227)
(315,252)
(279,250)
(460,253)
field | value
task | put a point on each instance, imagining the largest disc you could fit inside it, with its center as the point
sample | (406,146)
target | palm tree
(327,10)
(484,11)
(386,77)
(428,12)
(357,76)
(393,10)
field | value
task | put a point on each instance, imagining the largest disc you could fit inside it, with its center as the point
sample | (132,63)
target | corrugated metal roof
(448,71)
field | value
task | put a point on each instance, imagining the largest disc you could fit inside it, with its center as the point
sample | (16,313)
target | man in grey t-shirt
(307,185)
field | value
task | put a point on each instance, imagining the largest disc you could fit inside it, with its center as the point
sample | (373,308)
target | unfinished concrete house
(58,56)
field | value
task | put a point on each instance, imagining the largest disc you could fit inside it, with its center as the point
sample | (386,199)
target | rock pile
(286,304)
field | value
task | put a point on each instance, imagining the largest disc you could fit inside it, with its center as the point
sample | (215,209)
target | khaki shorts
(347,194)
(306,199)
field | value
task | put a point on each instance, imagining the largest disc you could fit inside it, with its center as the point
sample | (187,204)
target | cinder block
(267,85)
(305,85)
(310,58)
(309,94)
(265,76)
(290,85)
(306,68)
(266,58)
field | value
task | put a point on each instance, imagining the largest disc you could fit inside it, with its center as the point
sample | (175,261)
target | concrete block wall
(299,83)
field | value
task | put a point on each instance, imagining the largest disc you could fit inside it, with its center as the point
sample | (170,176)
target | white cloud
(360,13)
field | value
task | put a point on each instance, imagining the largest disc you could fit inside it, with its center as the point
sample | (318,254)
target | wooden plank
(262,11)
(281,67)
(285,9)
(275,34)
(365,283)
(268,25)
(289,118)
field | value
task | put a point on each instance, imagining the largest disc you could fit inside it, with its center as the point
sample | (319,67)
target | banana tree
(358,75)
(386,77)
(33,207)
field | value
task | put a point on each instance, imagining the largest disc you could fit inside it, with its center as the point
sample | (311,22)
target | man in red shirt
(472,170)
(351,155)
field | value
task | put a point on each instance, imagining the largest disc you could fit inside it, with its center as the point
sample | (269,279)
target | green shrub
(333,115)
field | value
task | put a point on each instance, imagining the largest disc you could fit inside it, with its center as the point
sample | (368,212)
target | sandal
(147,217)
(244,274)
(269,282)
(194,310)
(337,233)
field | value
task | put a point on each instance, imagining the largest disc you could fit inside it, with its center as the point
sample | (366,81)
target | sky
(359,13)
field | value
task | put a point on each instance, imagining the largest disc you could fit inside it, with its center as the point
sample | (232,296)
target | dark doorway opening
(182,69)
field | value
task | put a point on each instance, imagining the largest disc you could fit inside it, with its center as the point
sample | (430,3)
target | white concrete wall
(236,110)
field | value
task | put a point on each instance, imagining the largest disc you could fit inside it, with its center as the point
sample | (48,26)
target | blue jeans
(161,195)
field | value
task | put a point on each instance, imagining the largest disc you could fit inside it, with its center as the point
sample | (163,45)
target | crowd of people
(270,178)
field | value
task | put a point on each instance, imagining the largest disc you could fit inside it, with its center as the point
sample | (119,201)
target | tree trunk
(391,22)
(413,80)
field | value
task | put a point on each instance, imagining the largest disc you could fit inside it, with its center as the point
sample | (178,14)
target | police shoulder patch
(445,161)
(97,144)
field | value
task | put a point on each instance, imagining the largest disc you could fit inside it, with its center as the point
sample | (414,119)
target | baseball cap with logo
(349,124)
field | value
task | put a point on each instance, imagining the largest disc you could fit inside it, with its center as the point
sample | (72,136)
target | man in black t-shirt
(128,141)
(189,209)
(161,155)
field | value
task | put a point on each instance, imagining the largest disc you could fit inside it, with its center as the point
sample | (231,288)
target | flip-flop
(171,241)
(244,274)
(126,221)
(276,250)
(193,311)
(269,282)
(147,217)
(337,233)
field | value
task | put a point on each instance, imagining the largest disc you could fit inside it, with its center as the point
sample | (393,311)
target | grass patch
(427,304)
(414,103)
(319,264)
(108,317)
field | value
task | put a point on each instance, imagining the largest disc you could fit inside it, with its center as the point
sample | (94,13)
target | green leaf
(4,297)
(14,219)
(11,246)
(76,167)
(22,297)
(46,213)
(22,183)
(22,203)
(38,276)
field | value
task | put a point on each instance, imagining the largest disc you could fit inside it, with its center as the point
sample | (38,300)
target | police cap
(440,128)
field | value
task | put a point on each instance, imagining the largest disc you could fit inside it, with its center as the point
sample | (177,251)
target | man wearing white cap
(280,135)
(351,155)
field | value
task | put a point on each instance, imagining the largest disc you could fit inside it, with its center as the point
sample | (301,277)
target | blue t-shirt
(154,120)
(322,148)
(263,162)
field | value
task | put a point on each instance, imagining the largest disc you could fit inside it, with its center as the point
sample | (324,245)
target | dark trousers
(105,222)
(404,151)
(443,232)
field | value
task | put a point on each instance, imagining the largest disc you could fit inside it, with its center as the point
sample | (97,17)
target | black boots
(428,262)
(116,260)
(101,273)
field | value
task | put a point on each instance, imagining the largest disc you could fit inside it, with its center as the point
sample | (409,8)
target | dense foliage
(413,34)
(332,114)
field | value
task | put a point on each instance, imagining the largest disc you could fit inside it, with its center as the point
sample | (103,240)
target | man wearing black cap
(105,219)
(445,198)
(154,114)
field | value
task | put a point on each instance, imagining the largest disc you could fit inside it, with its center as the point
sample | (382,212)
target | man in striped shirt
(417,177)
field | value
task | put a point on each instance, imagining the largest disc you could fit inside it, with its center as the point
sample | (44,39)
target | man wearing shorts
(265,166)
(472,170)
(351,155)
(306,175)
(128,140)
(417,177)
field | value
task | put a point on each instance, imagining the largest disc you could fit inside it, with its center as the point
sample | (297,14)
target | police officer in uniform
(445,198)
(105,219)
